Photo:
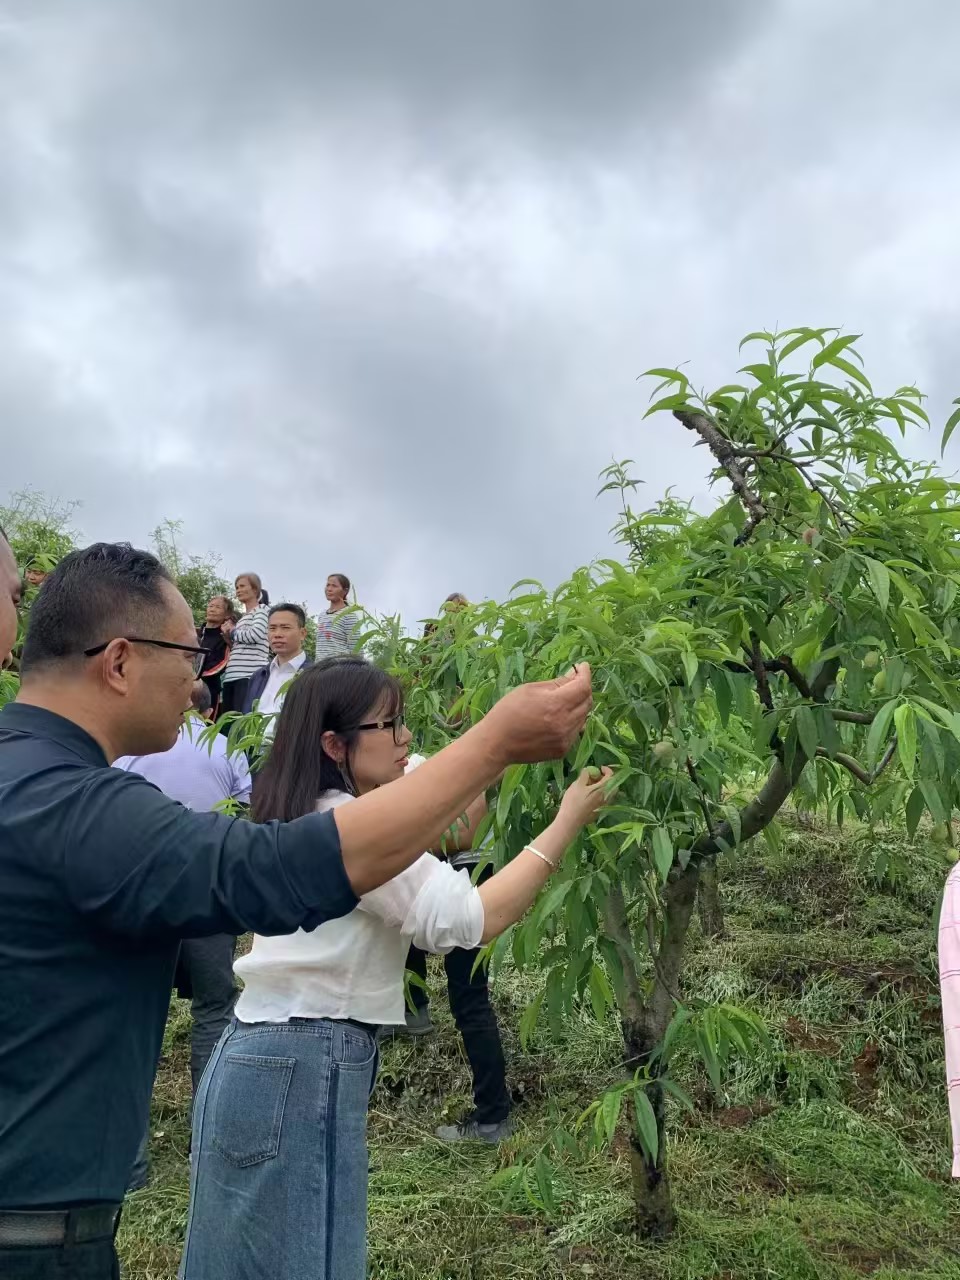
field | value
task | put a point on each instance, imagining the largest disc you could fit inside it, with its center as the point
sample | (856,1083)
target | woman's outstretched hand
(584,798)
(540,721)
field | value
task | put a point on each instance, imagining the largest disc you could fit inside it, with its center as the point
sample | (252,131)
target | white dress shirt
(198,774)
(281,673)
(353,967)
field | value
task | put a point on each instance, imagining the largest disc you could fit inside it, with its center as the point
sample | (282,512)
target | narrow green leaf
(528,1020)
(877,737)
(914,811)
(949,429)
(646,1123)
(676,1091)
(610,1111)
(833,349)
(933,799)
(721,688)
(807,731)
(905,720)
(544,1180)
(879,576)
(690,665)
(662,850)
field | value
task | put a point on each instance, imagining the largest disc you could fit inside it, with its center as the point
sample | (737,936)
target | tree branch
(804,468)
(725,453)
(867,776)
(851,717)
(795,676)
(772,796)
(695,779)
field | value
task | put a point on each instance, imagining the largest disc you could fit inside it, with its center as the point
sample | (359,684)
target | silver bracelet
(542,856)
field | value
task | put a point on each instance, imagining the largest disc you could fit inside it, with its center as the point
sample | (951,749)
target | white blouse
(353,967)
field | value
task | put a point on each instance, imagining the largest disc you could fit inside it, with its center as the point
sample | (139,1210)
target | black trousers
(232,694)
(96,1260)
(205,977)
(477,1024)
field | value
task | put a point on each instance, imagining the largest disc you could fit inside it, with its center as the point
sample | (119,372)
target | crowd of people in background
(122,874)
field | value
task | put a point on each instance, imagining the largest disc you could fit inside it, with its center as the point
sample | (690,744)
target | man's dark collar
(22,718)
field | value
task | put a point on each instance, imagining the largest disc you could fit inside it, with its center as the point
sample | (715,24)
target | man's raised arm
(383,832)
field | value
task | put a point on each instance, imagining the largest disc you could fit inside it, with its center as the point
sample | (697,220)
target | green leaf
(759,336)
(543,1175)
(914,811)
(528,1020)
(877,737)
(951,426)
(807,732)
(933,799)
(676,401)
(609,1112)
(721,688)
(676,1091)
(601,995)
(662,850)
(905,720)
(690,665)
(507,787)
(879,576)
(646,1123)
(833,349)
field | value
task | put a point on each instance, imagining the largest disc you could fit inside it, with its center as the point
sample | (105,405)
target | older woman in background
(249,648)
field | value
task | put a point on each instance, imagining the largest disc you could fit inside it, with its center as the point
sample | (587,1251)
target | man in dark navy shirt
(101,875)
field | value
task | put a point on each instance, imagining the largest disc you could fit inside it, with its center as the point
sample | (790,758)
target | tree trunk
(654,1216)
(710,903)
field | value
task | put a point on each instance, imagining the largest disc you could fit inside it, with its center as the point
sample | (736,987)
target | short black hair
(289,608)
(106,590)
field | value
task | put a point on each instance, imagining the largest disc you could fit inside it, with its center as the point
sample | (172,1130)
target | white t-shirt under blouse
(353,967)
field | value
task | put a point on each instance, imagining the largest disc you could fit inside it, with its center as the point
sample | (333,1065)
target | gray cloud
(366,287)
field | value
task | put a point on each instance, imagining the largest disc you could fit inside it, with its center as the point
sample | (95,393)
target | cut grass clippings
(825,1159)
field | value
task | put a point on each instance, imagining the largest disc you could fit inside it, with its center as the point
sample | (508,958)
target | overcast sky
(366,286)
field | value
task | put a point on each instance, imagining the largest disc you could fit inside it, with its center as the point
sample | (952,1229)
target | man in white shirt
(286,633)
(201,775)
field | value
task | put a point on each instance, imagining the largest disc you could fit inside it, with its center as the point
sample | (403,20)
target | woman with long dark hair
(279,1184)
(247,639)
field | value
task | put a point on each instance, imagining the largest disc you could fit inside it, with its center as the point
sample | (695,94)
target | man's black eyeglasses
(199,655)
(396,724)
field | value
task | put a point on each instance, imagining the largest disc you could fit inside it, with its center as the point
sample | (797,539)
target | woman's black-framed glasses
(396,724)
(199,655)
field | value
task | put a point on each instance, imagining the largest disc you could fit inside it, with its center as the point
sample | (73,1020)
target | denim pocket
(248,1112)
(353,1049)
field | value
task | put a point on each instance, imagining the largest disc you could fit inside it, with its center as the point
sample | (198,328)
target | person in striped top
(337,628)
(249,648)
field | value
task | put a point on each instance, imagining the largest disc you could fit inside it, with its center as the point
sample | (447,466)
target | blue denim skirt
(279,1180)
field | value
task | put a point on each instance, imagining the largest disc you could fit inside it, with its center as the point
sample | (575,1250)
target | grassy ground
(827,1160)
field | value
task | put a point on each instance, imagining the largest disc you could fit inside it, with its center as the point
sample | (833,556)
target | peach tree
(797,643)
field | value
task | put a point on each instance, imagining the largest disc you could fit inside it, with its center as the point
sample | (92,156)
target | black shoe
(418,1023)
(471,1131)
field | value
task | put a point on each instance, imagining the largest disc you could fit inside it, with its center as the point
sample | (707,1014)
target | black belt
(370,1027)
(26,1228)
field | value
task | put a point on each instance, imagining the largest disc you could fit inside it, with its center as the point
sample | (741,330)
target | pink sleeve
(949,948)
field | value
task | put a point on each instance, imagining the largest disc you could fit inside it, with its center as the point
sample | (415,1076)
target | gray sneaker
(418,1023)
(471,1131)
